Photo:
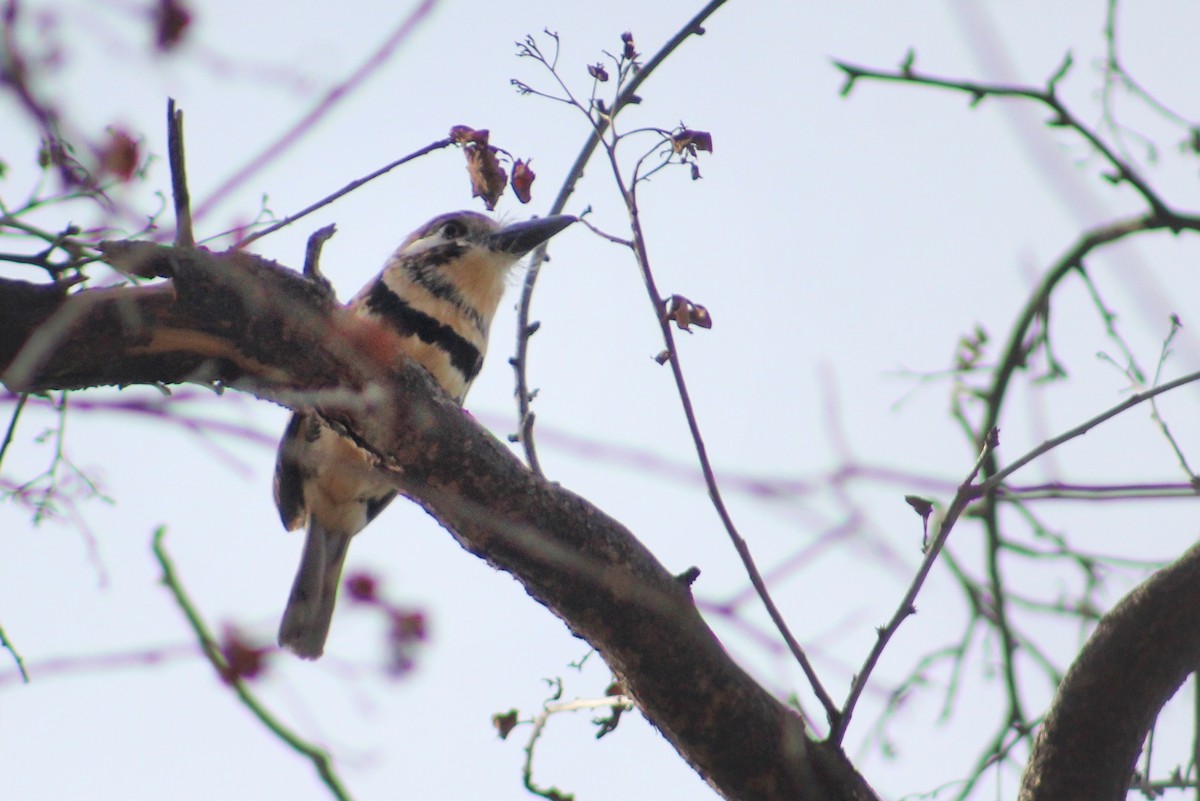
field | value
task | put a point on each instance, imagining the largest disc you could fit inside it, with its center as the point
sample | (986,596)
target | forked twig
(967,492)
(525,329)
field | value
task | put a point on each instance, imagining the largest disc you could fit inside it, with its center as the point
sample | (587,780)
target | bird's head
(472,253)
(469,234)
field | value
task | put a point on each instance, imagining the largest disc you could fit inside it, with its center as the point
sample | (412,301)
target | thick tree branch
(1139,655)
(231,319)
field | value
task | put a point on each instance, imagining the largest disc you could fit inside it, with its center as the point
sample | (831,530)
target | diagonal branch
(241,322)
(1063,118)
(337,93)
(693,27)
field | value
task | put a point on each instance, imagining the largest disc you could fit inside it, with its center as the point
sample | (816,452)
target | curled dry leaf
(171,21)
(408,626)
(522,180)
(119,155)
(466,135)
(505,722)
(629,54)
(407,631)
(688,140)
(362,587)
(242,660)
(488,178)
(920,505)
(598,72)
(686,314)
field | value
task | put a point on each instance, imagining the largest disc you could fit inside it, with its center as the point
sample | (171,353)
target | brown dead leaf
(691,141)
(487,176)
(684,313)
(171,21)
(522,180)
(119,155)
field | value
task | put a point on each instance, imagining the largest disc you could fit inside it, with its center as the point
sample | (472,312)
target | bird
(438,291)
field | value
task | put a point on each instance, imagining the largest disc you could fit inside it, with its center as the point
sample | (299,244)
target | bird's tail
(309,610)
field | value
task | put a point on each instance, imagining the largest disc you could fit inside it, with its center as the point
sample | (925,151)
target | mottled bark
(1139,655)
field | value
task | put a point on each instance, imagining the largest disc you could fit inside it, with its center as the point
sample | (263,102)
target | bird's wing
(289,474)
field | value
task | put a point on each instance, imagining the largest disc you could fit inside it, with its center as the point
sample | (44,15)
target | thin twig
(602,124)
(1048,96)
(319,758)
(997,478)
(1156,415)
(1107,492)
(12,649)
(350,187)
(617,703)
(966,493)
(1115,75)
(184,238)
(710,480)
(12,425)
(694,26)
(1015,356)
(336,94)
(1195,730)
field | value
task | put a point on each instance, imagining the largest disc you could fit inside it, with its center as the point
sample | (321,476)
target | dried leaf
(171,21)
(119,156)
(522,180)
(685,313)
(691,141)
(487,176)
(505,722)
(242,660)
(629,53)
(408,626)
(920,505)
(466,135)
(362,587)
(407,631)
(598,72)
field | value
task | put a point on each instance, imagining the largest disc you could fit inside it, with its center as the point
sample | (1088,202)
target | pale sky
(842,246)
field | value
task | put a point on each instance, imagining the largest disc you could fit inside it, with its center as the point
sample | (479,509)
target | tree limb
(234,320)
(1139,655)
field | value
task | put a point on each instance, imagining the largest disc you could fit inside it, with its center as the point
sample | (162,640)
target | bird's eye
(454,230)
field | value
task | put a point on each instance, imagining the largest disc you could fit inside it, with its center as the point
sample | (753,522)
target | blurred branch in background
(993,598)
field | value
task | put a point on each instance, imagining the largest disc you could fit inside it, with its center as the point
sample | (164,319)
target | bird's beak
(520,238)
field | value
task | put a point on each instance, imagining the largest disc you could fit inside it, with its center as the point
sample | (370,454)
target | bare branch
(995,479)
(966,493)
(350,187)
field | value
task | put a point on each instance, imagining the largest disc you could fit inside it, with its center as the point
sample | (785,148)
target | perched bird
(438,291)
